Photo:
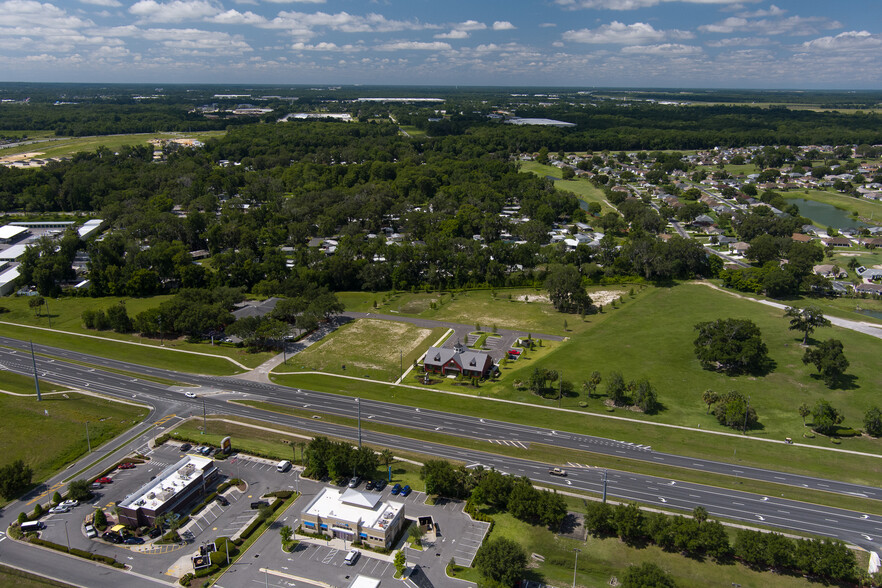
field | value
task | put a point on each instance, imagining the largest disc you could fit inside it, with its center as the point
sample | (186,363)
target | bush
(283,494)
(210,570)
(218,558)
(22,518)
(38,511)
(186,579)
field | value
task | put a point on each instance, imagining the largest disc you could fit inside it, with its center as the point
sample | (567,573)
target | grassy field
(869,210)
(66,315)
(368,348)
(19,579)
(282,444)
(25,384)
(583,189)
(67,146)
(601,560)
(48,442)
(523,309)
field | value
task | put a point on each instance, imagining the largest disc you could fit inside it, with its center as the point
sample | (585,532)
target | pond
(873,313)
(825,214)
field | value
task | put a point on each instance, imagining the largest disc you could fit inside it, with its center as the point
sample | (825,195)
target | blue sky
(670,43)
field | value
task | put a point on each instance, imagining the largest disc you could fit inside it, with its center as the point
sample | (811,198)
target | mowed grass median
(50,434)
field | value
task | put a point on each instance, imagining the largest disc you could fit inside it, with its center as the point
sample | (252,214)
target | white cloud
(547,25)
(174,11)
(665,49)
(632,4)
(234,17)
(847,41)
(772,11)
(29,12)
(741,42)
(108,3)
(792,25)
(503,25)
(470,25)
(414,45)
(304,23)
(326,47)
(618,33)
(454,34)
(198,41)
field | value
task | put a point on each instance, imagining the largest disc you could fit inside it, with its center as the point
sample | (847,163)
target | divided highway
(855,527)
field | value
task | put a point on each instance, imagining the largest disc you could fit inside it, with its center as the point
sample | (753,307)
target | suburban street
(854,527)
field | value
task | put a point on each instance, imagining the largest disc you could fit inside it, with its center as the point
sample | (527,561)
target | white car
(91,533)
(190,394)
(59,509)
(70,503)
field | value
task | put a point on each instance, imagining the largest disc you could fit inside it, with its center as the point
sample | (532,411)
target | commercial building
(459,360)
(175,487)
(353,515)
(10,233)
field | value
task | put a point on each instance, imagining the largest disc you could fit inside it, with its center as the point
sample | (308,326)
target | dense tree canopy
(733,346)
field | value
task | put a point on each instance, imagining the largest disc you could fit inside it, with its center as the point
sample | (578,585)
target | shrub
(186,579)
(218,558)
(38,510)
(22,518)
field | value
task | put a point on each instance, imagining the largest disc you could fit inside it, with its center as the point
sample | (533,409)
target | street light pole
(358,402)
(576,565)
(88,442)
(66,535)
(746,411)
(48,316)
(203,416)
(36,378)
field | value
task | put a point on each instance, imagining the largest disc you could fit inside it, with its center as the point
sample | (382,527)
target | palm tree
(699,514)
(804,411)
(709,397)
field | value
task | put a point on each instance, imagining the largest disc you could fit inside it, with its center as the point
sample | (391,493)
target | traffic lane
(416,413)
(477,427)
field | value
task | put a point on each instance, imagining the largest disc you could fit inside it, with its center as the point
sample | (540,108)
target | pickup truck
(557,472)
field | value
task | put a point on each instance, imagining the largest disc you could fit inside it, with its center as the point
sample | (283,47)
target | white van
(283,466)
(31,526)
(352,557)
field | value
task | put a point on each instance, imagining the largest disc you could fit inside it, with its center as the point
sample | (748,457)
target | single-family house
(740,247)
(871,289)
(459,360)
(836,242)
(801,238)
(827,270)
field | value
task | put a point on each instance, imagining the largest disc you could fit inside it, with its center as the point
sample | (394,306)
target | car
(258,503)
(59,509)
(405,491)
(96,486)
(558,472)
(186,447)
(207,450)
(155,532)
(133,541)
(126,466)
(91,533)
(70,503)
(223,501)
(396,489)
(352,557)
(379,485)
(112,537)
(104,480)
(369,485)
(354,481)
(190,394)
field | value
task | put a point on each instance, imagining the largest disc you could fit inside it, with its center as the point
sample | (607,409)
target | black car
(134,541)
(369,485)
(186,447)
(223,501)
(112,537)
(155,532)
(379,485)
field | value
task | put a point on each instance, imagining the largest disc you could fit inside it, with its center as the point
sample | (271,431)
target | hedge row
(260,520)
(77,552)
(471,509)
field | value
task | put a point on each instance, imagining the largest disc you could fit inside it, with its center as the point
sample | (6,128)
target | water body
(873,313)
(826,215)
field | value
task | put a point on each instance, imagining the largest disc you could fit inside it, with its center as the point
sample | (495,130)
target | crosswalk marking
(510,443)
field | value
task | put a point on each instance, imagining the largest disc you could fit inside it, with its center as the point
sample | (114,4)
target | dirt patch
(604,297)
(370,334)
(531,298)
(20,157)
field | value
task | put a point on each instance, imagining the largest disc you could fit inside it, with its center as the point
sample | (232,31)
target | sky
(802,44)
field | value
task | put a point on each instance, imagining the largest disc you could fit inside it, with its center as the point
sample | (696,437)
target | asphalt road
(855,527)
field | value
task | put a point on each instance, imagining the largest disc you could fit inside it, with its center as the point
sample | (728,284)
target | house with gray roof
(459,360)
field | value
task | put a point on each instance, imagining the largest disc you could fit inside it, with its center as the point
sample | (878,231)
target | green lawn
(368,348)
(48,442)
(523,309)
(583,189)
(67,146)
(19,579)
(66,315)
(25,384)
(602,559)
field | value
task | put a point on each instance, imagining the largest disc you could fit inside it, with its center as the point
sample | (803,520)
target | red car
(126,466)
(104,480)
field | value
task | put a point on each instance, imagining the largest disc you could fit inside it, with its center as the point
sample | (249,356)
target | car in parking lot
(186,447)
(96,486)
(91,533)
(369,485)
(222,501)
(59,509)
(112,537)
(258,503)
(133,541)
(70,503)
(379,485)
(352,557)
(405,491)
(207,450)
(104,480)
(354,481)
(396,489)
(155,532)
(126,466)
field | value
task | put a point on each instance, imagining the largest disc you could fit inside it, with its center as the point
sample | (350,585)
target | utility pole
(48,316)
(66,535)
(746,412)
(604,486)
(88,442)
(576,565)
(36,379)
